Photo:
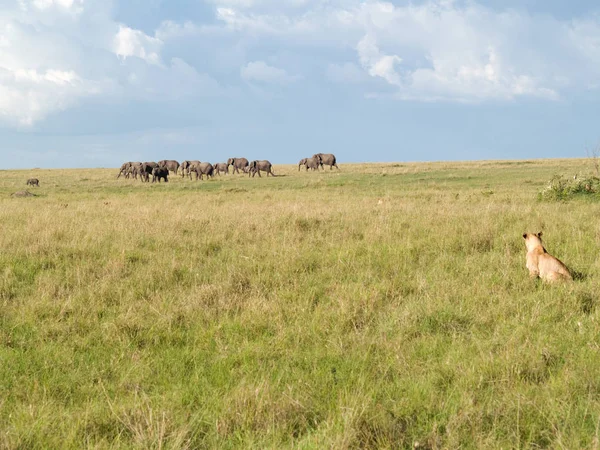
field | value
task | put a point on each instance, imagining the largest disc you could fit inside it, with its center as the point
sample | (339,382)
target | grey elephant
(192,167)
(125,169)
(256,166)
(202,169)
(185,165)
(160,173)
(131,170)
(33,182)
(326,158)
(146,170)
(170,164)
(135,169)
(309,163)
(238,163)
(221,167)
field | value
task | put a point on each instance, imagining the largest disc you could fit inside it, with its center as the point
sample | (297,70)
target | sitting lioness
(540,263)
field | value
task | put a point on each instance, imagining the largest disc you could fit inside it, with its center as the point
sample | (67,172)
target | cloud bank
(58,54)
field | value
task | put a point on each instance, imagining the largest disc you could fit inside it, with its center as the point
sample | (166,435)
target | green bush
(561,188)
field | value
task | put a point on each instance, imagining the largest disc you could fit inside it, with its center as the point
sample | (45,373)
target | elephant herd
(318,159)
(159,171)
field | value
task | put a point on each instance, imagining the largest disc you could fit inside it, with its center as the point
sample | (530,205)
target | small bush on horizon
(560,188)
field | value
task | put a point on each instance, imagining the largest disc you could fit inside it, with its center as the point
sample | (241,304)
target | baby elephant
(160,172)
(221,167)
(309,163)
(33,182)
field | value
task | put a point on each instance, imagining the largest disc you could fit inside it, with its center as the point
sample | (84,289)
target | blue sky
(92,83)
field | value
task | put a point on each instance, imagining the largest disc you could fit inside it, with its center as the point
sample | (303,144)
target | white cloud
(40,69)
(130,42)
(259,71)
(236,20)
(458,54)
(56,54)
(29,95)
(268,5)
(74,5)
(169,29)
(437,50)
(324,24)
(376,63)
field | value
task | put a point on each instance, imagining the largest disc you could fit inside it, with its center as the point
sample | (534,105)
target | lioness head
(532,240)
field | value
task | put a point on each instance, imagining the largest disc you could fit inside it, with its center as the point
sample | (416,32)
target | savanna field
(381,306)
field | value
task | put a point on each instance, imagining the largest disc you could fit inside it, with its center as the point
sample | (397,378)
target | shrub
(561,188)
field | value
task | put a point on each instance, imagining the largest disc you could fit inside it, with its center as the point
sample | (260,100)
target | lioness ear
(524,235)
(539,234)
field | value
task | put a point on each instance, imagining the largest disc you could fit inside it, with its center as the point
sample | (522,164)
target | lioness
(540,263)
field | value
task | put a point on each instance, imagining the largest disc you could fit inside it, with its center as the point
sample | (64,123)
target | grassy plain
(382,306)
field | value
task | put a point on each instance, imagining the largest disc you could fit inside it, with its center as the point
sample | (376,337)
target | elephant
(135,169)
(146,170)
(309,163)
(221,167)
(201,169)
(185,165)
(327,159)
(192,167)
(170,164)
(131,170)
(257,166)
(124,170)
(160,172)
(238,163)
(33,182)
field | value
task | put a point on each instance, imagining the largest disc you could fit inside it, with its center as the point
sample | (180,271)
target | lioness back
(542,264)
(552,269)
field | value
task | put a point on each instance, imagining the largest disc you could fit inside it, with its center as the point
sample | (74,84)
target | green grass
(382,306)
